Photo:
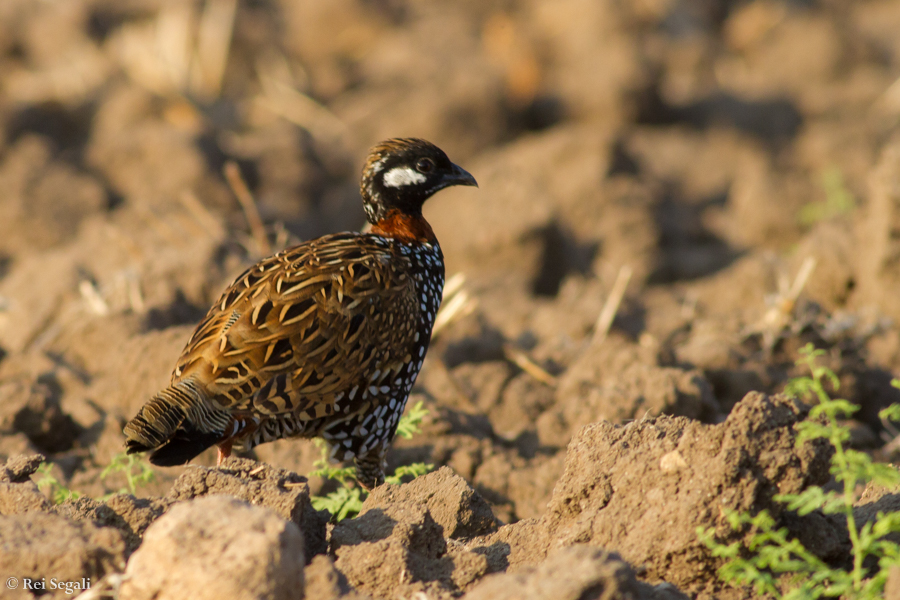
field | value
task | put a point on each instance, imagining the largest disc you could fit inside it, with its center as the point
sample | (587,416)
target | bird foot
(223,451)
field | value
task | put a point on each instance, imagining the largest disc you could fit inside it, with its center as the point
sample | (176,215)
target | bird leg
(223,451)
(370,468)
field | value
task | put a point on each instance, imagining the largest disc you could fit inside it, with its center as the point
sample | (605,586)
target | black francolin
(322,339)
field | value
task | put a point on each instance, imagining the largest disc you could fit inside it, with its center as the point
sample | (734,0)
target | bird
(323,339)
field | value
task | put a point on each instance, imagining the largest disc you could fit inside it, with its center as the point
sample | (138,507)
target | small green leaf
(801,387)
(347,500)
(892,412)
(342,503)
(775,564)
(885,524)
(833,408)
(135,469)
(883,474)
(811,430)
(49,484)
(810,499)
(414,470)
(411,423)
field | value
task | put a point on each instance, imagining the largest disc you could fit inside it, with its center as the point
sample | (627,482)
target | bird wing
(297,331)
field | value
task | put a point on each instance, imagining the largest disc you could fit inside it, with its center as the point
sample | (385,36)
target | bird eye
(424,165)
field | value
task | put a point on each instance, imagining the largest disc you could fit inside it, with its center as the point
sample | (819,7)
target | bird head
(402,173)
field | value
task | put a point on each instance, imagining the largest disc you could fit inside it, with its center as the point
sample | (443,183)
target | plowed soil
(736,165)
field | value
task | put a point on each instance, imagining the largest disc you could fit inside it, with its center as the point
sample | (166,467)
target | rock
(397,541)
(20,467)
(17,498)
(18,494)
(131,516)
(262,485)
(590,574)
(384,549)
(37,545)
(452,503)
(324,582)
(214,548)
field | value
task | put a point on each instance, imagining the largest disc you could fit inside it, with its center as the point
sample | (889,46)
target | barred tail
(176,425)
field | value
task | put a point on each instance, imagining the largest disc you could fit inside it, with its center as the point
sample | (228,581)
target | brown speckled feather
(297,329)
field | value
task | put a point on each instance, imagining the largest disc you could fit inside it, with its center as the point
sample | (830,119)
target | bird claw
(223,451)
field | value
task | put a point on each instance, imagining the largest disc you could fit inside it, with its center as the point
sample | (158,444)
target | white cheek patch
(400,176)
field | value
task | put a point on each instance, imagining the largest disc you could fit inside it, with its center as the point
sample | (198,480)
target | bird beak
(459,176)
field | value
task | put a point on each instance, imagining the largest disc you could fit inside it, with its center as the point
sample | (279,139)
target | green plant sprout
(770,554)
(347,500)
(137,472)
(838,199)
(50,485)
(411,423)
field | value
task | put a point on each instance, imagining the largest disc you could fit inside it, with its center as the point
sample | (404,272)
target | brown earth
(713,149)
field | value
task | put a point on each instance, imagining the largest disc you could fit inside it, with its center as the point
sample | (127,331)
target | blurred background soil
(735,163)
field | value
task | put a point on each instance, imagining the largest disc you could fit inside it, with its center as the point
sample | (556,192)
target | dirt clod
(614,475)
(324,582)
(591,574)
(131,516)
(618,382)
(259,484)
(20,467)
(18,494)
(49,546)
(665,470)
(460,511)
(217,547)
(406,534)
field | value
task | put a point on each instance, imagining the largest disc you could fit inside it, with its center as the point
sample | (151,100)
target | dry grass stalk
(780,315)
(454,284)
(214,34)
(456,304)
(162,227)
(524,362)
(611,306)
(207,221)
(135,296)
(92,298)
(179,51)
(280,97)
(248,204)
(785,300)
